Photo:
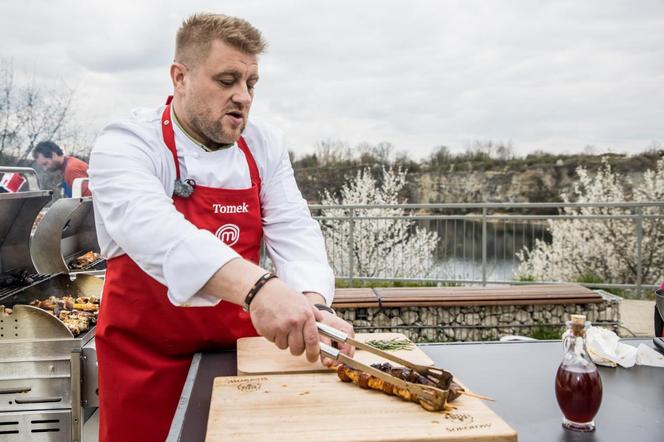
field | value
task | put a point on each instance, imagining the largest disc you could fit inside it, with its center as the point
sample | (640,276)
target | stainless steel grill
(66,231)
(43,366)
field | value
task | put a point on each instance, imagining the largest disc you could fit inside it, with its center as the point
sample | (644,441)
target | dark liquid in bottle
(579,393)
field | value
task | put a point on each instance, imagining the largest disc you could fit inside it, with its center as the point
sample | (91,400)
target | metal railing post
(351,246)
(484,246)
(639,252)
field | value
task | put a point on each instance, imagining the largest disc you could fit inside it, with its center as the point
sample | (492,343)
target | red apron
(145,343)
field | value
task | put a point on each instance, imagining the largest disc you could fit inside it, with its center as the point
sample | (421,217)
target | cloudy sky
(545,75)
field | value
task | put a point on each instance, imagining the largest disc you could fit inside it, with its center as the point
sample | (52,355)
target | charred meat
(367,381)
(85,260)
(78,314)
(16,279)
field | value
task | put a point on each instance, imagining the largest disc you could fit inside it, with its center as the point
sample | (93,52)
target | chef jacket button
(166,122)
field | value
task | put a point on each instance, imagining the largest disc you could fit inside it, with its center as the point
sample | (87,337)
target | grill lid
(66,231)
(17,215)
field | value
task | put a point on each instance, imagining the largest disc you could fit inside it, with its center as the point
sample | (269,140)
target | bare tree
(331,151)
(31,112)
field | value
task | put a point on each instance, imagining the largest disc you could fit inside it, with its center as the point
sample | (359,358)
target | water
(470,269)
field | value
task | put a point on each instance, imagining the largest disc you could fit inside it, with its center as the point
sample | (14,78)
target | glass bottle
(578,384)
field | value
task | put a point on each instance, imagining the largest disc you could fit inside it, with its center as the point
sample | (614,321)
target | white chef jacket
(132,177)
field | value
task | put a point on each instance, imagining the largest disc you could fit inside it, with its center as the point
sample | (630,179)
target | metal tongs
(434,396)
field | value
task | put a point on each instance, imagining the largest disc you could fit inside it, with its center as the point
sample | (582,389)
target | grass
(525,278)
(591,278)
(546,332)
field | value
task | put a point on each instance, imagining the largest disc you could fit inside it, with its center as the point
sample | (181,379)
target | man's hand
(279,313)
(285,317)
(333,321)
(338,323)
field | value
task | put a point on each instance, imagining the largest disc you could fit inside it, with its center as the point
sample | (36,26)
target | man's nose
(242,95)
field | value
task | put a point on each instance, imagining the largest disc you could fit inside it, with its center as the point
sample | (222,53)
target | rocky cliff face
(514,182)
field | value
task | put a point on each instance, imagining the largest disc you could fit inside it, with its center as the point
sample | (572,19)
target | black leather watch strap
(325,308)
(256,287)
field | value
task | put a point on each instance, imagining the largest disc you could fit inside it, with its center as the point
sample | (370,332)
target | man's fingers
(351,332)
(347,349)
(281,341)
(295,342)
(323,359)
(311,338)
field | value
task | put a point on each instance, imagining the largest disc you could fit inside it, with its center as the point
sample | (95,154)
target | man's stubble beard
(208,131)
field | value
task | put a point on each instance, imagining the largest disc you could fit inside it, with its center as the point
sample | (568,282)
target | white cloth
(605,348)
(132,177)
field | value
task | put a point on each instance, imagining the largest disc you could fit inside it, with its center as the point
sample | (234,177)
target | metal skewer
(441,377)
(434,396)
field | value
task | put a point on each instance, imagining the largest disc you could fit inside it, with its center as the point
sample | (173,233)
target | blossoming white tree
(604,248)
(384,243)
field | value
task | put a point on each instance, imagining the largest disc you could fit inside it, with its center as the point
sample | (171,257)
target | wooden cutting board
(260,356)
(319,407)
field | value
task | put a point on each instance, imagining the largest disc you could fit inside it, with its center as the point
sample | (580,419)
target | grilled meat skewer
(365,380)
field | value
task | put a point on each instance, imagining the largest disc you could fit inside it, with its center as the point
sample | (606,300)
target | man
(50,158)
(184,194)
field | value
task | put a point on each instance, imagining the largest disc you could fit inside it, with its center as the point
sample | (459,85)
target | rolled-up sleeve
(131,203)
(293,238)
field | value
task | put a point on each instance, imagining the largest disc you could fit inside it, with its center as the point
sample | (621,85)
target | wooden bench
(464,296)
(439,314)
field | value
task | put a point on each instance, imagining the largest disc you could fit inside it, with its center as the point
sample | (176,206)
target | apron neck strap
(253,169)
(169,135)
(169,140)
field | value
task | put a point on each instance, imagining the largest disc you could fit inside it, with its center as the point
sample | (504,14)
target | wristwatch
(326,308)
(254,290)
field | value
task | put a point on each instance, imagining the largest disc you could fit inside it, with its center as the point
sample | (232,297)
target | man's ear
(178,73)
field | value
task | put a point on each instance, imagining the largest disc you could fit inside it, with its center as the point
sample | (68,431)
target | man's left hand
(341,325)
(333,321)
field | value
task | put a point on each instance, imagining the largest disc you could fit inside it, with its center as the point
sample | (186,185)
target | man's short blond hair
(193,40)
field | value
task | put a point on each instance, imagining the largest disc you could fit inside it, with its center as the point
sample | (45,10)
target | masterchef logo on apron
(229,234)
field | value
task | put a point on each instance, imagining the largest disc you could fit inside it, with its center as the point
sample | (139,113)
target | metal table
(519,375)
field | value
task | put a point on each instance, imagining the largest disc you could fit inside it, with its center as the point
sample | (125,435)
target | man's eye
(227,82)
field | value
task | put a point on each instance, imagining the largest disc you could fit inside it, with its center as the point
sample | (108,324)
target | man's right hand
(279,313)
(287,318)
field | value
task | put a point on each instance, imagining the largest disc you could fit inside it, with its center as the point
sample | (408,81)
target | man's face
(47,164)
(217,94)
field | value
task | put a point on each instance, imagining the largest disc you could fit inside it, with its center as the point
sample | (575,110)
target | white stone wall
(478,323)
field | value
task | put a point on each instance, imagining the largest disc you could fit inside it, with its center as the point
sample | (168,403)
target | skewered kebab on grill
(367,381)
(78,314)
(85,260)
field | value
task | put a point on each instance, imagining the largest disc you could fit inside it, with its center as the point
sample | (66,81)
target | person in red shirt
(51,158)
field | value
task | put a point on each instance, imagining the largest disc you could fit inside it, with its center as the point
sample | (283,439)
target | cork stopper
(578,324)
(578,319)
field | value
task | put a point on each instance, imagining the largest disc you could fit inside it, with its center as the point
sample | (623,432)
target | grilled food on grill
(15,279)
(365,380)
(78,314)
(77,321)
(84,261)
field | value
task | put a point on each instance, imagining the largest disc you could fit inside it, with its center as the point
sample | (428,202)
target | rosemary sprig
(393,344)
